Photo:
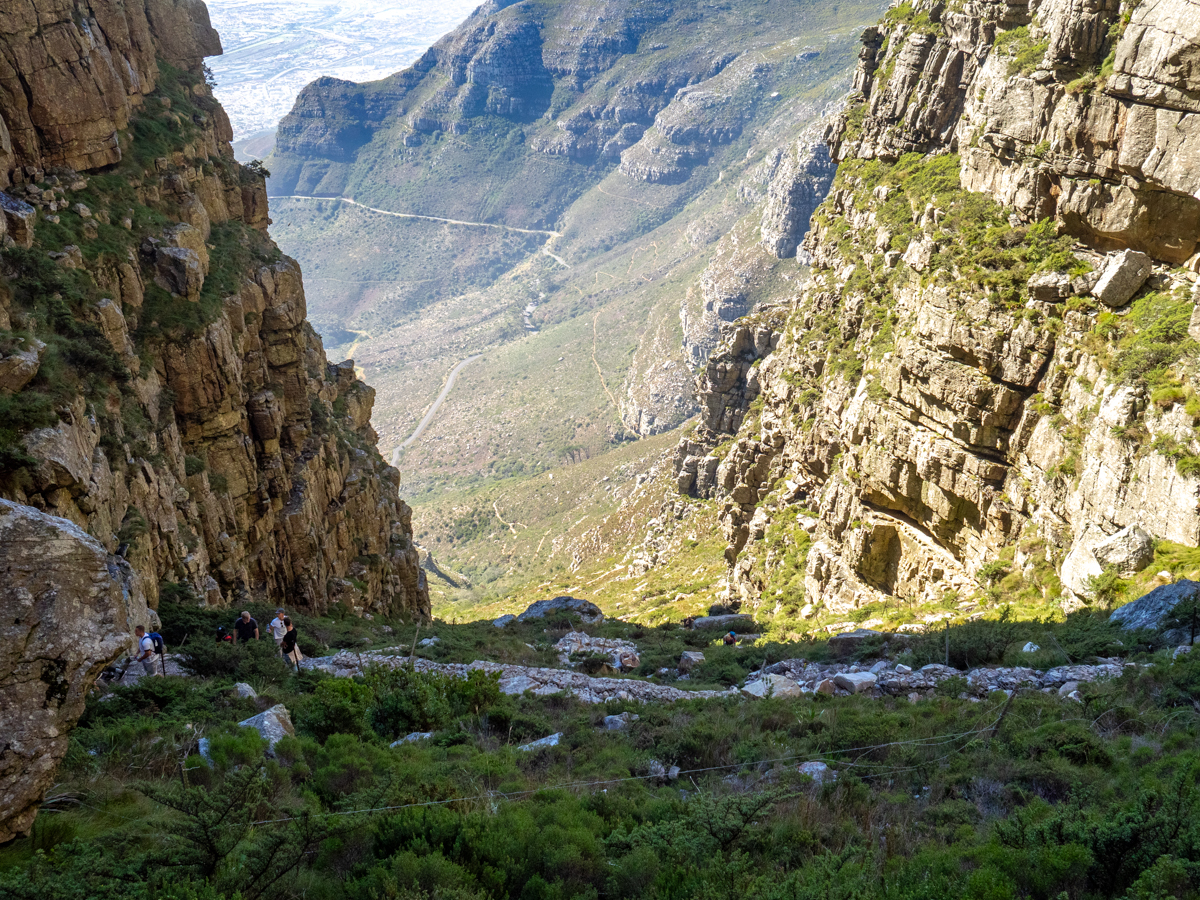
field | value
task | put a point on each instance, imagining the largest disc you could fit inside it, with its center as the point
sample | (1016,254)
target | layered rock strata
(952,386)
(166,393)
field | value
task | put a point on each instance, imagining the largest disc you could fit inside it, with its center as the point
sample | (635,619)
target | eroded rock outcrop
(170,397)
(951,384)
(68,609)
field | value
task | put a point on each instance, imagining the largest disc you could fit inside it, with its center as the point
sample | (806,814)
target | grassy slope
(1039,798)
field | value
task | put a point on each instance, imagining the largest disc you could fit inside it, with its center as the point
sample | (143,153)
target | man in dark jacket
(246,628)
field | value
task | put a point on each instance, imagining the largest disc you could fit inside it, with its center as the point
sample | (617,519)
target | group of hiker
(150,648)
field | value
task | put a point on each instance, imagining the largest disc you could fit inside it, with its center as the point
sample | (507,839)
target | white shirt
(278,629)
(146,643)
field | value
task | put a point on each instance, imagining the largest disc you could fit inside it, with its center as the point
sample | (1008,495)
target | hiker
(730,638)
(246,628)
(146,655)
(278,627)
(287,644)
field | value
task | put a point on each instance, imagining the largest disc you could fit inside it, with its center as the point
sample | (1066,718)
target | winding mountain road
(387,212)
(424,423)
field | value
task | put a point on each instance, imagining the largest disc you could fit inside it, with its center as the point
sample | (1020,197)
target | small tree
(1108,586)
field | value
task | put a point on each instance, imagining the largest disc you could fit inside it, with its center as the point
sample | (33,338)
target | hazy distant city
(273,48)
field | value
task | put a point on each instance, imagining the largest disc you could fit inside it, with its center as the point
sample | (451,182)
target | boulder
(818,771)
(1152,610)
(920,252)
(586,610)
(626,660)
(273,724)
(19,219)
(244,690)
(849,642)
(178,270)
(549,741)
(855,682)
(1129,551)
(1123,276)
(18,368)
(504,620)
(1050,287)
(1030,647)
(826,686)
(688,660)
(902,669)
(773,686)
(67,610)
(412,738)
(619,723)
(518,684)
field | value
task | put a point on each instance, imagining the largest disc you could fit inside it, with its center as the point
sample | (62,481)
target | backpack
(159,647)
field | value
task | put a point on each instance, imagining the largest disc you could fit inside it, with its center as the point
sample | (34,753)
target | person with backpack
(150,650)
(245,628)
(288,647)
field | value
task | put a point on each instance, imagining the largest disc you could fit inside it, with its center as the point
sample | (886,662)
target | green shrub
(205,657)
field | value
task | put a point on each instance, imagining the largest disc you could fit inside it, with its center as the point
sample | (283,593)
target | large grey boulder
(1152,610)
(688,660)
(273,724)
(855,682)
(586,610)
(1128,551)
(1123,276)
(67,610)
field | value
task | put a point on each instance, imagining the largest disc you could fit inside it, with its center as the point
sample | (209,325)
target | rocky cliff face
(160,385)
(991,361)
(69,610)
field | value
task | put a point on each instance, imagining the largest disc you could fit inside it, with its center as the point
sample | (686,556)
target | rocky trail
(787,678)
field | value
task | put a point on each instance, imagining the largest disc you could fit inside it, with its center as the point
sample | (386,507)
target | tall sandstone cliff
(995,356)
(160,386)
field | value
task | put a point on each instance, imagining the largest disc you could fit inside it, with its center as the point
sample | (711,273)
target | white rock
(772,685)
(855,682)
(818,771)
(1129,550)
(902,669)
(1123,276)
(1030,647)
(274,724)
(549,741)
(517,684)
(621,722)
